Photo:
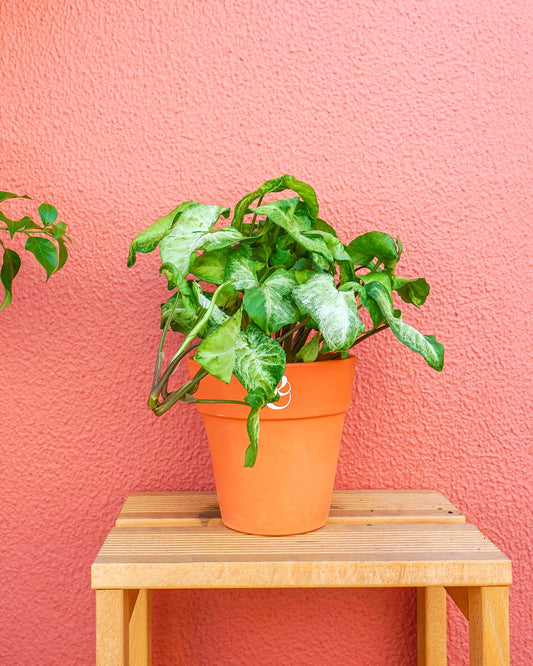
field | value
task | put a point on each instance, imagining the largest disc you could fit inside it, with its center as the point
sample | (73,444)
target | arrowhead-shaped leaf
(240,270)
(150,238)
(413,291)
(374,245)
(45,252)
(210,266)
(425,345)
(259,361)
(282,213)
(216,352)
(335,312)
(220,238)
(10,267)
(270,304)
(188,234)
(285,182)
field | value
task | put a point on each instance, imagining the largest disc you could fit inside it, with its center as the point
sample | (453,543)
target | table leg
(140,640)
(488,610)
(431,611)
(112,618)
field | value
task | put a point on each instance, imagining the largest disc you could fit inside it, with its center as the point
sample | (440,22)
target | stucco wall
(408,117)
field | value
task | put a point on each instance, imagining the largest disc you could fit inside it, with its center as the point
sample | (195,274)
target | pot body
(289,489)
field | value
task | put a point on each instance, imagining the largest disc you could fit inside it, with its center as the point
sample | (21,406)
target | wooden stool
(391,538)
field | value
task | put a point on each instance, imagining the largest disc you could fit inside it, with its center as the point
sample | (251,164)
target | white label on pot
(283,390)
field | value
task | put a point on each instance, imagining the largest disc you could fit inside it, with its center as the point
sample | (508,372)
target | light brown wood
(384,555)
(355,507)
(140,634)
(112,617)
(488,609)
(460,597)
(431,626)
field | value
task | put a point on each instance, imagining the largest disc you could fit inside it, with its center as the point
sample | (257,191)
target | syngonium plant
(46,240)
(274,286)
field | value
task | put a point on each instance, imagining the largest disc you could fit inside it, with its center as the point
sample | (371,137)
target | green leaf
(425,345)
(336,248)
(63,254)
(270,304)
(259,361)
(184,315)
(216,352)
(10,195)
(240,270)
(45,252)
(221,238)
(14,225)
(48,214)
(217,317)
(252,428)
(413,291)
(282,258)
(10,267)
(374,245)
(282,213)
(150,238)
(188,234)
(377,276)
(210,266)
(59,230)
(309,352)
(334,311)
(276,185)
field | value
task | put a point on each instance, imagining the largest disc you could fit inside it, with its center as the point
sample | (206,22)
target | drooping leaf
(425,345)
(47,213)
(210,266)
(285,182)
(368,303)
(335,312)
(150,238)
(10,195)
(10,267)
(63,253)
(270,304)
(240,270)
(282,213)
(257,401)
(309,352)
(413,291)
(377,276)
(184,313)
(45,252)
(259,361)
(188,234)
(216,352)
(374,245)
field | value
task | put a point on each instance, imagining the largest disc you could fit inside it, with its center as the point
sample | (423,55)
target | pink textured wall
(406,116)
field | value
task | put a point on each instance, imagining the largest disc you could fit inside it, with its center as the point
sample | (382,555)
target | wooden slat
(385,555)
(431,626)
(353,507)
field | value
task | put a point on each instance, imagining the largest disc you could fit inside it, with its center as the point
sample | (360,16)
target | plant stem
(260,201)
(286,334)
(370,333)
(190,398)
(178,395)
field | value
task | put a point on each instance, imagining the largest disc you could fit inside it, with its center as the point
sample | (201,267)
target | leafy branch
(47,241)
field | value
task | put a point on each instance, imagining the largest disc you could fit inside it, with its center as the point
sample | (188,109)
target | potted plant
(271,305)
(45,239)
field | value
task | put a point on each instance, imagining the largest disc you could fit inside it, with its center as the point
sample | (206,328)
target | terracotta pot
(289,489)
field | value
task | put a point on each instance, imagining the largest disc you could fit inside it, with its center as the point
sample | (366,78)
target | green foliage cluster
(46,240)
(286,289)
